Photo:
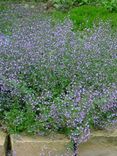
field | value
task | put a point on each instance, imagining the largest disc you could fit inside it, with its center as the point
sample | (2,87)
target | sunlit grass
(84,16)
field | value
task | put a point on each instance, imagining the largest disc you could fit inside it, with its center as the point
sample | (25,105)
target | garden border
(30,145)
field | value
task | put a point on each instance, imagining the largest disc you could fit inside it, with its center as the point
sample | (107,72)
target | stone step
(40,146)
(101,143)
(101,149)
(3,143)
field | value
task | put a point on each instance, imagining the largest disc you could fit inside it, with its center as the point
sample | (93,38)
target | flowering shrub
(54,79)
(104,111)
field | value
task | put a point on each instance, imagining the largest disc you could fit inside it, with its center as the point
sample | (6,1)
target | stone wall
(101,143)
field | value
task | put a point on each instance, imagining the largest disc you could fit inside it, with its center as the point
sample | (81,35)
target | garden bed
(54,78)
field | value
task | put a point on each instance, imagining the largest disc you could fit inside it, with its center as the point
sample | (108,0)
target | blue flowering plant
(55,79)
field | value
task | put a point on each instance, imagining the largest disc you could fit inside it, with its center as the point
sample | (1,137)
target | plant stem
(75,148)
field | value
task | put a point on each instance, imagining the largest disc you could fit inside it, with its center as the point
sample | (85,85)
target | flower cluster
(105,109)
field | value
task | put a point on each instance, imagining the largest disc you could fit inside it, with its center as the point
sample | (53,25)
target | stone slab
(104,137)
(40,146)
(101,143)
(3,137)
(101,149)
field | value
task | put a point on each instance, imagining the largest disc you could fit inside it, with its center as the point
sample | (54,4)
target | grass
(84,16)
(3,6)
(5,26)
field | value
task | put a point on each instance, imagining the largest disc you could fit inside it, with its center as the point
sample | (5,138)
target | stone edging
(3,143)
(56,145)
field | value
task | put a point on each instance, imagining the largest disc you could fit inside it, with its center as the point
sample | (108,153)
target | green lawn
(5,25)
(84,16)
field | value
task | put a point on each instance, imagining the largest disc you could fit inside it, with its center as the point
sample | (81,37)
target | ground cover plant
(54,79)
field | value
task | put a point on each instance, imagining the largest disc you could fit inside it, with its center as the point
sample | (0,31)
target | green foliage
(85,16)
(62,4)
(111,5)
(3,7)
(81,2)
(20,120)
(5,25)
